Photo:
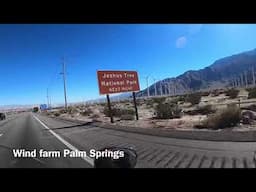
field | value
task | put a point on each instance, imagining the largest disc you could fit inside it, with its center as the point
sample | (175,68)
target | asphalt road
(23,131)
(32,131)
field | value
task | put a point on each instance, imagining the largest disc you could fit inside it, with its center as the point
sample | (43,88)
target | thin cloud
(194,28)
(181,42)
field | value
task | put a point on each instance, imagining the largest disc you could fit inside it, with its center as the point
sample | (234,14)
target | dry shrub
(228,117)
(56,114)
(127,117)
(193,98)
(252,93)
(86,112)
(202,110)
(232,93)
(167,111)
(205,93)
(118,112)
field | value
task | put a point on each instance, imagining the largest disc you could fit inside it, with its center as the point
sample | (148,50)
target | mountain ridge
(223,72)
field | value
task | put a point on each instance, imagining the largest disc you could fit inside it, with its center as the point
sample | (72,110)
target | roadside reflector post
(135,105)
(109,109)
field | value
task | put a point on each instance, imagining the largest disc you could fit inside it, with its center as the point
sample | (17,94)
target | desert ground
(185,115)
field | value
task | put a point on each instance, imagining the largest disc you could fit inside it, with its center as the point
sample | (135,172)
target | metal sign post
(135,105)
(109,109)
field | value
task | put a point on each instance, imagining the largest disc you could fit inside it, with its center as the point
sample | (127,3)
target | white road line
(87,159)
(1,135)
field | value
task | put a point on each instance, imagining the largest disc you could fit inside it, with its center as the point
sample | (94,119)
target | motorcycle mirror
(127,158)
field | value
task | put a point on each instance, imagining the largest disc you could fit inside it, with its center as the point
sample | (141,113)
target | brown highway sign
(117,81)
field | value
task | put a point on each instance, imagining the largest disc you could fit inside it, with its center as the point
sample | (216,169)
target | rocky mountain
(232,71)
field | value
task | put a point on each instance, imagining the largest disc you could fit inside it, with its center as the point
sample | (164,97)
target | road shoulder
(217,135)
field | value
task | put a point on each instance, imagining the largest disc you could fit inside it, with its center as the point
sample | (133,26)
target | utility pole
(64,81)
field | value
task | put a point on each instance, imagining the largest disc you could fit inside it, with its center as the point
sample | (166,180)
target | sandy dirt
(147,112)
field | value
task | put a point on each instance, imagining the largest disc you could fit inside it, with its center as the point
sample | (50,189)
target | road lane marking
(70,146)
(1,135)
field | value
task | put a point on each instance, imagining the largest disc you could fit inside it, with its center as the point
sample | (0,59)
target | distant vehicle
(2,116)
(35,109)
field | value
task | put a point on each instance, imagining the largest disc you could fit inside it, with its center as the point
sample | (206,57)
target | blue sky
(30,55)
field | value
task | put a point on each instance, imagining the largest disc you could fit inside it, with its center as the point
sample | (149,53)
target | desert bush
(178,99)
(205,94)
(72,110)
(127,117)
(202,110)
(252,93)
(167,111)
(232,93)
(182,98)
(107,112)
(193,98)
(149,102)
(217,92)
(102,104)
(86,112)
(61,111)
(181,102)
(56,114)
(247,117)
(48,113)
(69,109)
(95,116)
(232,105)
(140,102)
(118,112)
(205,110)
(124,101)
(125,112)
(158,100)
(228,117)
